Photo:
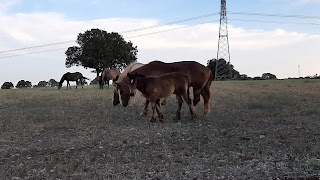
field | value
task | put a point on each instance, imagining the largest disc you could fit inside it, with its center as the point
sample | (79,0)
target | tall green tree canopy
(99,49)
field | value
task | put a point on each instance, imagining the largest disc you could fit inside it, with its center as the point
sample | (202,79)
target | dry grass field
(256,130)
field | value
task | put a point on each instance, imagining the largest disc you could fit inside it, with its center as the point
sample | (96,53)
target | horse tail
(210,79)
(205,92)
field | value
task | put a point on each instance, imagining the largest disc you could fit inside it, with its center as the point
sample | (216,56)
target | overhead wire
(124,32)
(274,15)
(146,34)
(175,22)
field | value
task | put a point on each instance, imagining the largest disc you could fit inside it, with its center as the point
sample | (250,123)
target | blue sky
(258,43)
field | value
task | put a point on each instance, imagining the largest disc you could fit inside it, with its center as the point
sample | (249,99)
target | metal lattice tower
(223,70)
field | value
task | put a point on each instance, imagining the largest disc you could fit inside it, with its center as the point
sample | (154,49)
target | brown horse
(199,75)
(123,83)
(108,74)
(76,76)
(155,88)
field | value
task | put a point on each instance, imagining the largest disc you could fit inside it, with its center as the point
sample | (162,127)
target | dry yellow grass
(256,130)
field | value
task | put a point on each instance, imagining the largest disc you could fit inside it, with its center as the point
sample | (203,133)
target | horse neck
(62,79)
(141,83)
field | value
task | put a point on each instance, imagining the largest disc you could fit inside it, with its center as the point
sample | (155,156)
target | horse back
(129,69)
(164,85)
(196,72)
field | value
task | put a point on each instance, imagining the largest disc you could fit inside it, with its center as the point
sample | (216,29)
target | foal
(155,88)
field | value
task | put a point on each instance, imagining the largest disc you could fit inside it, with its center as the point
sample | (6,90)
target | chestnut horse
(76,76)
(155,88)
(123,83)
(199,75)
(108,74)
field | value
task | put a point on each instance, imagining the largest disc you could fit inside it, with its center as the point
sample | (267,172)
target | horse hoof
(144,114)
(161,120)
(153,120)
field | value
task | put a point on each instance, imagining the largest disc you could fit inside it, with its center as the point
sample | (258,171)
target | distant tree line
(28,84)
(225,70)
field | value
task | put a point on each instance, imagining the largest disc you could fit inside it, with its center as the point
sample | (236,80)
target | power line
(172,29)
(279,22)
(174,22)
(146,34)
(31,47)
(275,15)
(128,31)
(36,52)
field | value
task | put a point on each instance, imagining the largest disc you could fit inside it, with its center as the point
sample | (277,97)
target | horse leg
(107,82)
(116,97)
(205,93)
(180,101)
(77,84)
(164,102)
(68,84)
(145,109)
(196,96)
(158,108)
(187,99)
(153,105)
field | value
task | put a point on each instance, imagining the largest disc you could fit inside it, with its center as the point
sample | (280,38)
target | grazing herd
(157,81)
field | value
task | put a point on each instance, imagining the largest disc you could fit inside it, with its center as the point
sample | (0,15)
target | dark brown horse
(199,75)
(108,74)
(76,76)
(155,88)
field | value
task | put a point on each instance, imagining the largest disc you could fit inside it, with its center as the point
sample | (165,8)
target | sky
(281,37)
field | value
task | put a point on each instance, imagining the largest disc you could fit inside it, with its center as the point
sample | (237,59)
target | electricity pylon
(223,69)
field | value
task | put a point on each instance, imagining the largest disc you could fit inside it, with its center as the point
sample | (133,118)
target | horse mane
(63,77)
(129,68)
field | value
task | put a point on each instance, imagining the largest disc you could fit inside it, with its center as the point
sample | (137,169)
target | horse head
(121,94)
(60,85)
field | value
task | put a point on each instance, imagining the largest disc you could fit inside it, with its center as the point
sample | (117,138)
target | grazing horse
(123,83)
(78,77)
(108,74)
(155,88)
(199,75)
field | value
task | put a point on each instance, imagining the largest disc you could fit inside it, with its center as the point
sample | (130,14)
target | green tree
(42,84)
(52,83)
(24,84)
(223,68)
(7,85)
(99,49)
(268,76)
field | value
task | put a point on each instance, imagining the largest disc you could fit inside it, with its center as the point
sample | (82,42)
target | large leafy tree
(99,49)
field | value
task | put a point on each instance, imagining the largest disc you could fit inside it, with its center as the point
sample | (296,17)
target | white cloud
(305,2)
(5,4)
(252,51)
